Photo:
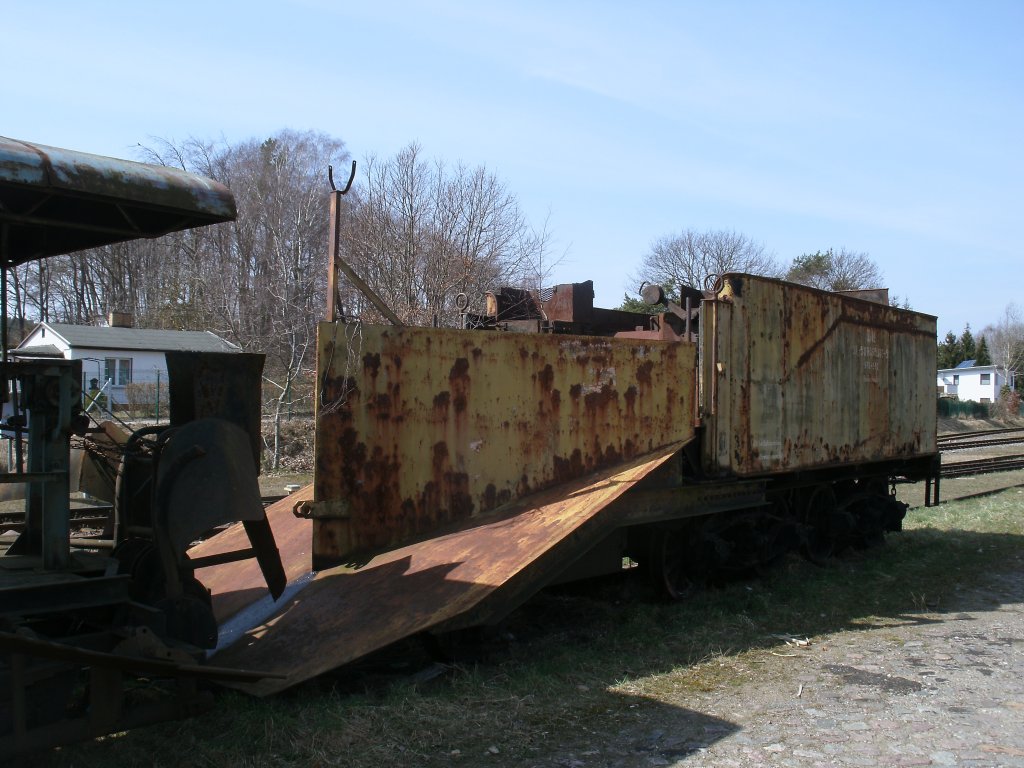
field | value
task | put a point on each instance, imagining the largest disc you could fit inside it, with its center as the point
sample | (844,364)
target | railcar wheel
(779,534)
(825,532)
(669,565)
(188,617)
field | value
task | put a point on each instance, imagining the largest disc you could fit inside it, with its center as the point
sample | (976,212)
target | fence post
(158,395)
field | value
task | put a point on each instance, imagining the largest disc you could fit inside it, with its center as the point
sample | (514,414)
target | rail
(983,466)
(980,439)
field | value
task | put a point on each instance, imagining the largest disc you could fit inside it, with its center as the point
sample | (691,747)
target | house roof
(140,339)
(966,364)
(38,350)
(974,369)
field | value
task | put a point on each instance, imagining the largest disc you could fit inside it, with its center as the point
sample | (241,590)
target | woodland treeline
(694,258)
(419,232)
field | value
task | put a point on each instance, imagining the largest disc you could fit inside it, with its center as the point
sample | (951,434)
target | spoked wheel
(670,567)
(777,534)
(823,531)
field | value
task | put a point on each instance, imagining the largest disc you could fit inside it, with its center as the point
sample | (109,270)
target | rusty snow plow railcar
(459,471)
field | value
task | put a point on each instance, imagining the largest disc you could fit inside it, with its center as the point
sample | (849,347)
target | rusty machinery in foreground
(83,620)
(459,471)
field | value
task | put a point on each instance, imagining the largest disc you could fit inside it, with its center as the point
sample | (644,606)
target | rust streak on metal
(848,319)
(478,570)
(772,410)
(442,425)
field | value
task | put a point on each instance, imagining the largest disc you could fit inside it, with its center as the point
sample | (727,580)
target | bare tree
(18,299)
(694,259)
(274,263)
(840,270)
(422,232)
(1005,339)
(260,280)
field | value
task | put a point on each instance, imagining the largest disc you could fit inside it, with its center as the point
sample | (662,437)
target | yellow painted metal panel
(420,428)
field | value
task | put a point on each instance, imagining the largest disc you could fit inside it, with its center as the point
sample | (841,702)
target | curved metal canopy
(55,201)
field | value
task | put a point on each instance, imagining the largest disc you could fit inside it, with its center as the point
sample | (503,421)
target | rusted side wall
(418,428)
(797,378)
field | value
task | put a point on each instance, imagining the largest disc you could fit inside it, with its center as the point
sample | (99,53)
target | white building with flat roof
(980,383)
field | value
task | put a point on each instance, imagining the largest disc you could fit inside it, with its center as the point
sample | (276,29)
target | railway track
(81,518)
(983,466)
(987,438)
(978,433)
(981,439)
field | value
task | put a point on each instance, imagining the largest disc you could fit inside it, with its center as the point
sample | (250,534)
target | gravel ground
(942,689)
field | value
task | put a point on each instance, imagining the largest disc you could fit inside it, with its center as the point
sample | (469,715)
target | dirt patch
(930,689)
(295,445)
(277,483)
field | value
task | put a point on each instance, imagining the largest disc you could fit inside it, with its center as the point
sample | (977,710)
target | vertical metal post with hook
(336,262)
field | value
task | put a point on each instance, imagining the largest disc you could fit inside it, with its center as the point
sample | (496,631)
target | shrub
(141,399)
(1008,405)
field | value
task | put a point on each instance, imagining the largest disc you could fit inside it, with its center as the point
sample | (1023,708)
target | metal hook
(351,176)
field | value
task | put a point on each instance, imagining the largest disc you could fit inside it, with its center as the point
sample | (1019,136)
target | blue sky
(890,128)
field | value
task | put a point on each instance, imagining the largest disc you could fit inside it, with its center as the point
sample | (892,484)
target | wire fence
(150,402)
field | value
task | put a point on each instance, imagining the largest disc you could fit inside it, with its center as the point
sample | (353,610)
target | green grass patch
(586,660)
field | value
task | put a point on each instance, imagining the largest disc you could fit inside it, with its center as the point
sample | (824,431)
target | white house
(115,356)
(980,383)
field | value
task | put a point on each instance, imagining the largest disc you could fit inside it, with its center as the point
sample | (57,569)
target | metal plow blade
(238,586)
(471,575)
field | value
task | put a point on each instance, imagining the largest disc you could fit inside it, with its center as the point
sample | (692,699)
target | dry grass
(272,483)
(577,662)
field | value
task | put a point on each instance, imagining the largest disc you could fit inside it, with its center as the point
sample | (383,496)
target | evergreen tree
(967,345)
(634,304)
(982,355)
(950,352)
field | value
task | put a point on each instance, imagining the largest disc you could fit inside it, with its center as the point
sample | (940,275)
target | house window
(986,378)
(956,379)
(118,371)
